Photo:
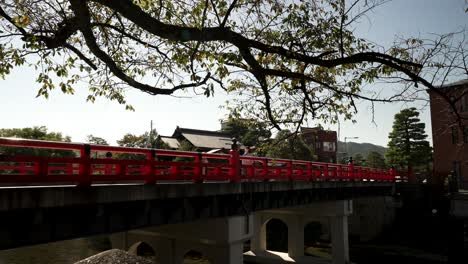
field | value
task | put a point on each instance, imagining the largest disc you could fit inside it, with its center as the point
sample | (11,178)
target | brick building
(323,142)
(450,139)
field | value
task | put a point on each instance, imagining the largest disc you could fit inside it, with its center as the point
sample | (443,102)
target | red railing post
(36,168)
(392,174)
(85,166)
(21,168)
(121,169)
(42,168)
(197,170)
(358,174)
(251,170)
(108,167)
(351,169)
(309,173)
(339,173)
(149,174)
(264,173)
(234,162)
(289,172)
(175,171)
(234,168)
(325,171)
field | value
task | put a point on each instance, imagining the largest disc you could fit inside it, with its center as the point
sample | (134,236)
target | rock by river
(115,256)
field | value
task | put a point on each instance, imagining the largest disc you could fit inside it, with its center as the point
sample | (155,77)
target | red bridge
(85,164)
(179,187)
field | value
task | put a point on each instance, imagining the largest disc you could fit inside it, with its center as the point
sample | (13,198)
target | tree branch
(231,7)
(82,13)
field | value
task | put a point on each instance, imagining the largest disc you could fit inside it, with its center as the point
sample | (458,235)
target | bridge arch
(313,232)
(143,249)
(195,256)
(276,234)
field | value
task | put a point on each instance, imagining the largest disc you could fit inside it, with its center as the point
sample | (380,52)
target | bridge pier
(217,240)
(335,214)
(339,239)
(296,236)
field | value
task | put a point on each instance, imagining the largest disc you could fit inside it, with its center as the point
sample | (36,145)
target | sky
(73,116)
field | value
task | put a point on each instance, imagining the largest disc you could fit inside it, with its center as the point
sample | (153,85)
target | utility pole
(150,136)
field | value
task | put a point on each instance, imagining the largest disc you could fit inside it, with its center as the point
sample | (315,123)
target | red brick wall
(446,152)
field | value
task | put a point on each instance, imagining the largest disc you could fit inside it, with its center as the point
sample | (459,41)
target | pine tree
(375,160)
(408,145)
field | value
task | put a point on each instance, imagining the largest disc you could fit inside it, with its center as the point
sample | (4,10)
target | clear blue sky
(72,116)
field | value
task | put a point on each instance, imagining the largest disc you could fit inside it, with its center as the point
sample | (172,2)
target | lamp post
(346,145)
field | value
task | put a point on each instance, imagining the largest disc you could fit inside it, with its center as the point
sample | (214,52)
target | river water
(71,251)
(63,252)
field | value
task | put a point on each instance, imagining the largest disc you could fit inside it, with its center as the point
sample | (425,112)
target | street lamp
(346,146)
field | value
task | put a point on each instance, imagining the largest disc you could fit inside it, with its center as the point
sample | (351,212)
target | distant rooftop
(314,129)
(200,132)
(204,138)
(457,83)
(170,141)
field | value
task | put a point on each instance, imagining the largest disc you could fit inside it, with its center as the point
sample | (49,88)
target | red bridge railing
(46,162)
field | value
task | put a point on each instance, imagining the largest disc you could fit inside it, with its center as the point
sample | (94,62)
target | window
(464,103)
(454,135)
(318,145)
(329,146)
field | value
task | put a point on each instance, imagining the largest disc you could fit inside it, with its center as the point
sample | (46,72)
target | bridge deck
(38,215)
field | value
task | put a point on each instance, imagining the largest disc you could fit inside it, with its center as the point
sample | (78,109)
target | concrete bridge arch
(218,240)
(333,214)
(190,252)
(281,229)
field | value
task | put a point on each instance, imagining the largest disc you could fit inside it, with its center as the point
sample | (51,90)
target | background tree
(248,131)
(133,141)
(375,160)
(359,159)
(96,140)
(408,145)
(184,145)
(288,61)
(287,145)
(145,140)
(37,133)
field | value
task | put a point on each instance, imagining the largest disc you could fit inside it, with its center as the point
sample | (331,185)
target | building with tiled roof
(203,140)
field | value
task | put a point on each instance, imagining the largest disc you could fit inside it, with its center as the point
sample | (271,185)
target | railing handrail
(86,169)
